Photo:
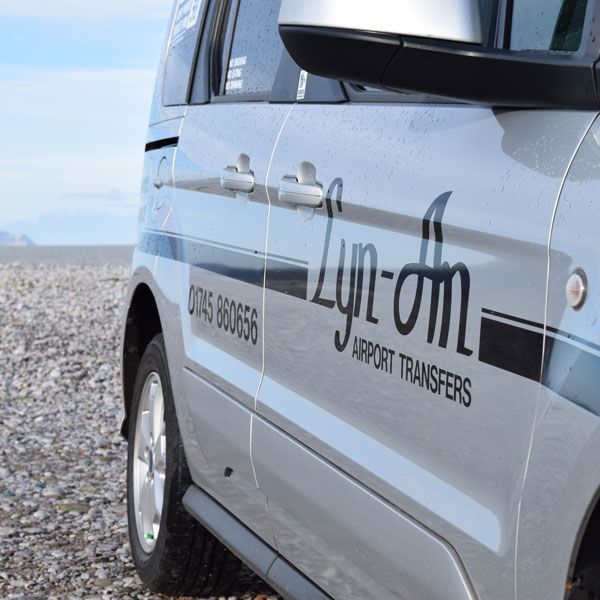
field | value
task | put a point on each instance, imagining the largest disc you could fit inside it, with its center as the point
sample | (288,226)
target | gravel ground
(63,531)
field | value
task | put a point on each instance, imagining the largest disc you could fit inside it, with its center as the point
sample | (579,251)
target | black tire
(586,582)
(187,560)
(586,585)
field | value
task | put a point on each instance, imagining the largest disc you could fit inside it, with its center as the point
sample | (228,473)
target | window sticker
(188,13)
(235,74)
(194,13)
(302,81)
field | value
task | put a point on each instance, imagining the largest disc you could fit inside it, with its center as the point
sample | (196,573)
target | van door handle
(234,181)
(238,178)
(300,194)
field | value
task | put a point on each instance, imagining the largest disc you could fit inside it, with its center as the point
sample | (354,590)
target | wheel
(586,583)
(172,552)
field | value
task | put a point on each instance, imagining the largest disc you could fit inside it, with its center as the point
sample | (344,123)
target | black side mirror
(412,47)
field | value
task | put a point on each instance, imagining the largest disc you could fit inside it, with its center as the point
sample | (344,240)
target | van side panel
(411,359)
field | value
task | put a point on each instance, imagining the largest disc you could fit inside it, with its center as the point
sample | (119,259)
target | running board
(247,546)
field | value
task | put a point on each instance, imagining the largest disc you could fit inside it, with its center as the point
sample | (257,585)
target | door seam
(264,297)
(540,386)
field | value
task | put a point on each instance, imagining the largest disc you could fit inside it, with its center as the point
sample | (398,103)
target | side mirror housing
(436,47)
(456,20)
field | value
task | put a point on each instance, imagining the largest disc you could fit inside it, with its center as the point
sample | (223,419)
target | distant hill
(77,227)
(14,239)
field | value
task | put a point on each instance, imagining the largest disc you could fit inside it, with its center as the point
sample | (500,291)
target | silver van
(362,342)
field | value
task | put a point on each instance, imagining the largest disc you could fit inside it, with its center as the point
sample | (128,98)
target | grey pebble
(62,461)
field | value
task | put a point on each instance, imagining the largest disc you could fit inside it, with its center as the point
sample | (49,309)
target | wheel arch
(142,325)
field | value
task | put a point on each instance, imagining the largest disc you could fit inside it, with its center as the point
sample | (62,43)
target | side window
(182,50)
(252,49)
(489,11)
(555,25)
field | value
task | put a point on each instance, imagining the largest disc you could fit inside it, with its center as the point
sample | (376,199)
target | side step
(247,546)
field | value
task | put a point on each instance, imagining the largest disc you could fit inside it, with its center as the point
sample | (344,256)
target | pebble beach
(63,529)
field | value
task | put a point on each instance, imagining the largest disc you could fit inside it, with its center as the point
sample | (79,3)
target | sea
(66,255)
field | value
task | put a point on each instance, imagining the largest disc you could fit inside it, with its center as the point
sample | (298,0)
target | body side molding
(245,544)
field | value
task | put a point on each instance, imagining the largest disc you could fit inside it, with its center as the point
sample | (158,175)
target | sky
(76,80)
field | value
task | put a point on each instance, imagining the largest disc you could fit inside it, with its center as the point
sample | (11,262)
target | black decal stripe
(287,278)
(554,330)
(164,143)
(560,332)
(569,371)
(574,338)
(230,263)
(495,313)
(282,277)
(511,348)
(222,245)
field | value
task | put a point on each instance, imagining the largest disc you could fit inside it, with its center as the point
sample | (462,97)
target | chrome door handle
(300,194)
(234,181)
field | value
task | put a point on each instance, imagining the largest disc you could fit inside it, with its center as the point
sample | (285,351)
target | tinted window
(548,24)
(182,51)
(256,48)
